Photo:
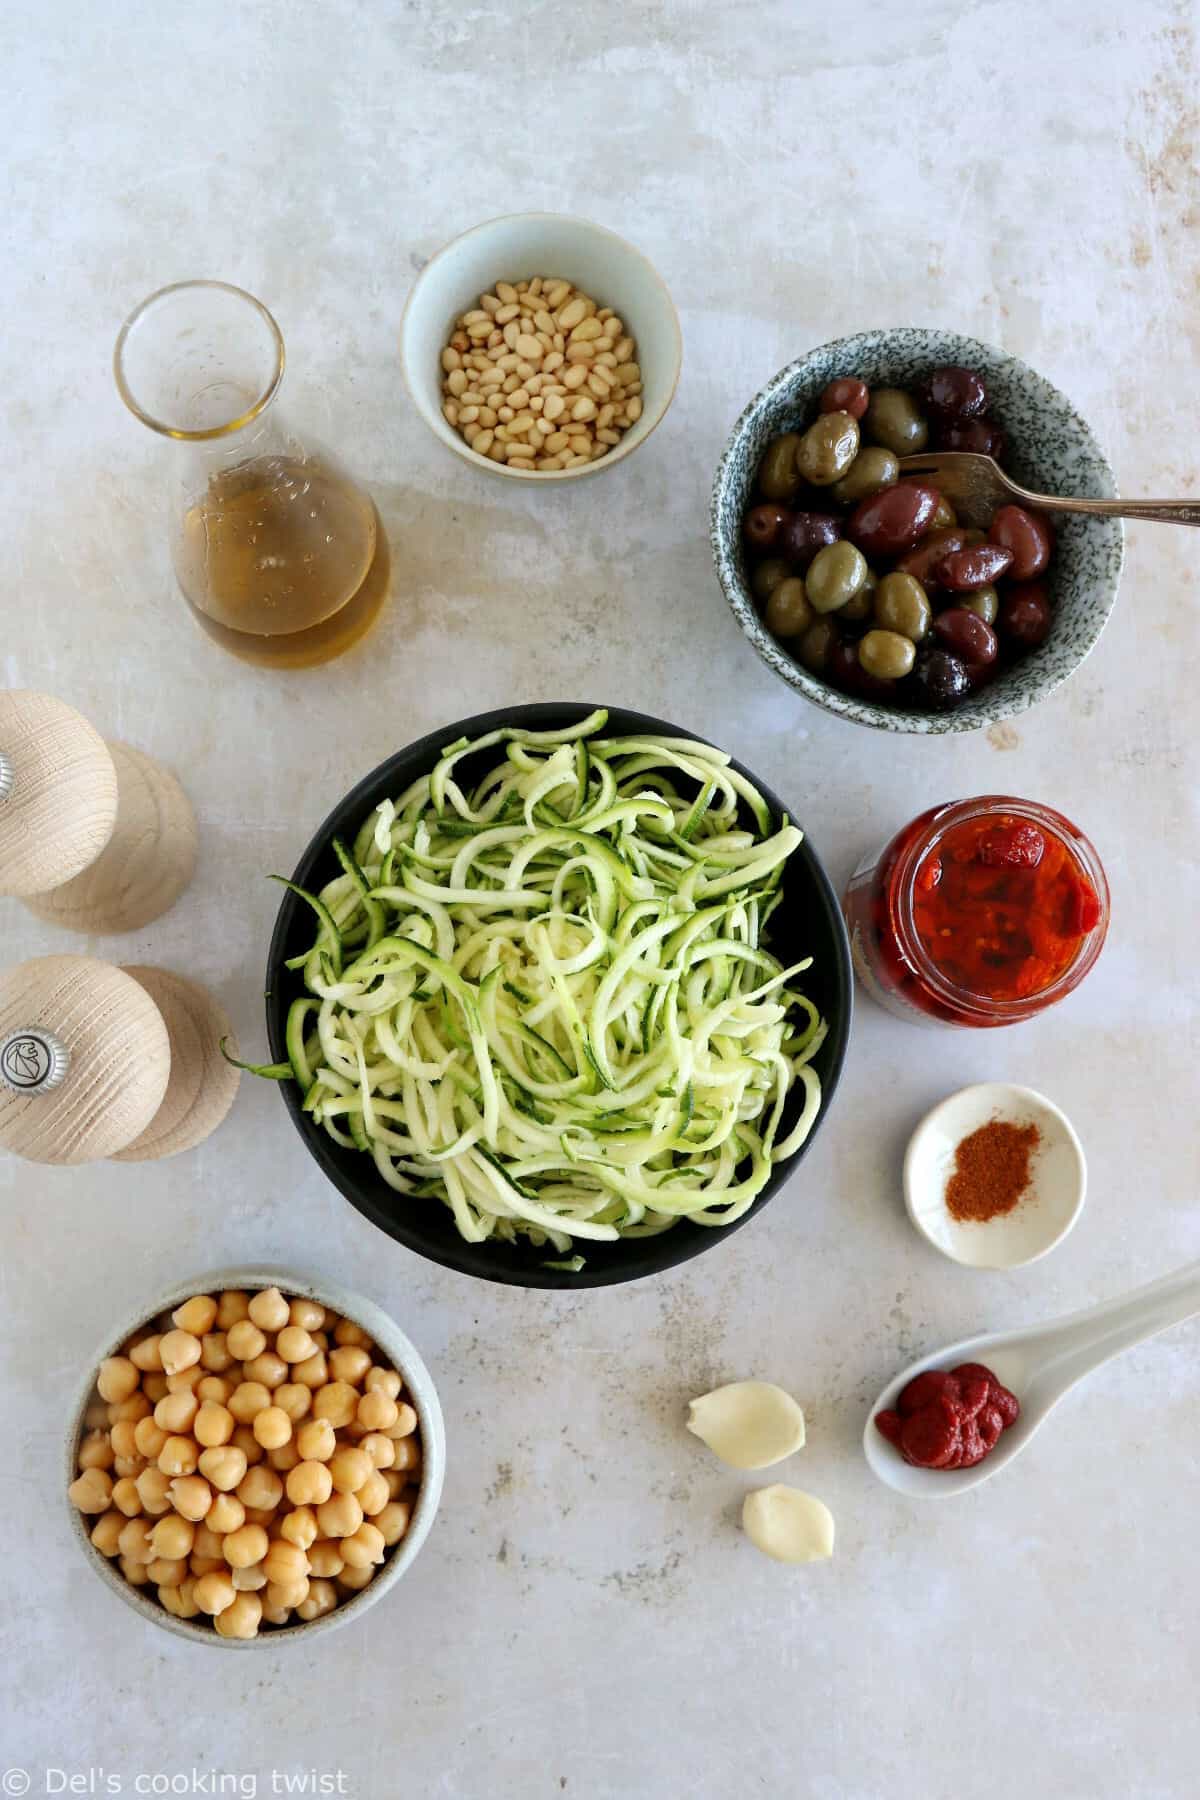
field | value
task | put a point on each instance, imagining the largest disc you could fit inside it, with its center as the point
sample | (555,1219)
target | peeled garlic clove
(791,1526)
(748,1424)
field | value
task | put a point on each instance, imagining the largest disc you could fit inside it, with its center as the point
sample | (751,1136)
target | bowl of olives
(861,587)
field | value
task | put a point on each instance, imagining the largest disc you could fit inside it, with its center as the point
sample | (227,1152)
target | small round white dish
(1039,1221)
(597,261)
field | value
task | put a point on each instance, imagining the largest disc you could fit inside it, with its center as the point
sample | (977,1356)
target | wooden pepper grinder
(94,836)
(98,1061)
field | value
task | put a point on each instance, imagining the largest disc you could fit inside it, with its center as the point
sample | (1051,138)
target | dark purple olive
(844,670)
(846,394)
(953,393)
(804,533)
(1027,536)
(978,435)
(1024,617)
(973,567)
(966,636)
(891,521)
(940,681)
(762,525)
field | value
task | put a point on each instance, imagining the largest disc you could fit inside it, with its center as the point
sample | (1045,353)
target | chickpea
(179,1350)
(313,1372)
(373,1495)
(339,1516)
(286,1593)
(320,1339)
(128,1467)
(309,1314)
(249,1581)
(136,1407)
(249,1400)
(134,1572)
(337,1401)
(207,1542)
(325,1558)
(272,1427)
(406,1422)
(215,1354)
(121,1441)
(192,1499)
(379,1448)
(366,1545)
(176,1412)
(117,1378)
(179,1456)
(244,1340)
(92,1491)
(173,1537)
(152,1489)
(154,1387)
(224,1466)
(106,1532)
(349,1333)
(184,1381)
(285,1562)
(148,1438)
(276,1615)
(352,1581)
(232,1306)
(166,1571)
(349,1468)
(269,1310)
(97,1450)
(294,1398)
(299,1527)
(294,1344)
(268,1368)
(320,1599)
(215,1389)
(206,1565)
(145,1354)
(134,1541)
(95,1417)
(260,1487)
(349,1362)
(393,1520)
(197,1315)
(377,1410)
(396,1481)
(181,1600)
(408,1455)
(261,1515)
(248,1444)
(245,1546)
(213,1424)
(213,1593)
(284,1458)
(226,1514)
(386,1380)
(316,1440)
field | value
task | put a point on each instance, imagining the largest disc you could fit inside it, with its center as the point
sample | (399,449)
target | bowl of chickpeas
(259,1458)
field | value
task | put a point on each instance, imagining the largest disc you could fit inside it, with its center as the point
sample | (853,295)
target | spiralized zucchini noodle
(548,1002)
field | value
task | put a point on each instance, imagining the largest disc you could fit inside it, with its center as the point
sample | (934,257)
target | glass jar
(280,555)
(980,912)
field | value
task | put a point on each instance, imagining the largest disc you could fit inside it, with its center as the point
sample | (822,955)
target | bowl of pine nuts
(540,347)
(259,1458)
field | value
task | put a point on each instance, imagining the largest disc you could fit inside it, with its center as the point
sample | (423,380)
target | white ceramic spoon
(1040,1364)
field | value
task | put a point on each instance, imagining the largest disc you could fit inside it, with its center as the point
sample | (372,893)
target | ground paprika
(991,1170)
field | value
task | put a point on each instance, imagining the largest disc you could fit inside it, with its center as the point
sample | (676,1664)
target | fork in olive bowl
(976,485)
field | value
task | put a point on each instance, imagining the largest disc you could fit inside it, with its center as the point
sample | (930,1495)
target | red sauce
(949,1419)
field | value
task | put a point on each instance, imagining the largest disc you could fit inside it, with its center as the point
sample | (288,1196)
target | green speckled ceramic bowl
(1051,449)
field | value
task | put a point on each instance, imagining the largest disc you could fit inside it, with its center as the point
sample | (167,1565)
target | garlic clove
(748,1424)
(791,1526)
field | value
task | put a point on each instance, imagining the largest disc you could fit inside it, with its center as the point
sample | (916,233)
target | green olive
(872,470)
(767,577)
(892,420)
(816,644)
(860,606)
(983,600)
(789,612)
(886,655)
(835,575)
(778,478)
(827,448)
(944,517)
(902,605)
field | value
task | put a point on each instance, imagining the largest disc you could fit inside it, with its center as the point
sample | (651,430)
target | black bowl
(808,923)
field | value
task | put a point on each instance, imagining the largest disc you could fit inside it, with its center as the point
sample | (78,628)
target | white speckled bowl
(1051,449)
(515,248)
(421,1393)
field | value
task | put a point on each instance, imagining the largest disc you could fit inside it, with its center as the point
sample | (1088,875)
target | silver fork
(976,485)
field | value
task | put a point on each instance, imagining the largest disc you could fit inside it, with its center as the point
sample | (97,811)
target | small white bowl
(596,260)
(420,1391)
(1052,1203)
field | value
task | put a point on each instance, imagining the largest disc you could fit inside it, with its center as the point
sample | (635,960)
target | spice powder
(991,1170)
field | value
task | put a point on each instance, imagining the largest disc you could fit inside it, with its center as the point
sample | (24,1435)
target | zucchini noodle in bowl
(541,992)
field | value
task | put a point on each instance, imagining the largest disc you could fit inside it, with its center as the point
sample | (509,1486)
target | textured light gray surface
(586,1619)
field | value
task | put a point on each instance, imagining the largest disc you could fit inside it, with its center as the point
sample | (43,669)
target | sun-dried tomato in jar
(981,912)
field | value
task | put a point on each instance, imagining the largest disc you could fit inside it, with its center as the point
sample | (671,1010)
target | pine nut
(544,322)
(575,376)
(575,462)
(580,353)
(507,294)
(512,332)
(554,361)
(542,428)
(467,415)
(549,462)
(490,304)
(506,313)
(451,412)
(584,408)
(557,294)
(525,370)
(627,372)
(529,348)
(633,408)
(589,328)
(556,442)
(504,414)
(477,333)
(451,359)
(519,399)
(555,406)
(606,360)
(603,437)
(597,385)
(483,443)
(536,403)
(487,416)
(604,417)
(456,381)
(571,315)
